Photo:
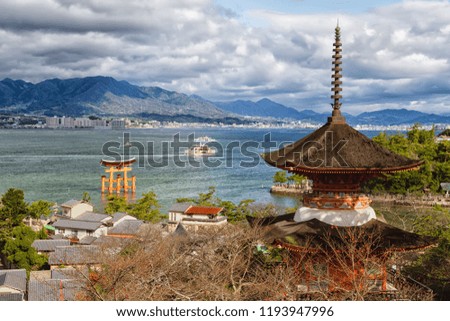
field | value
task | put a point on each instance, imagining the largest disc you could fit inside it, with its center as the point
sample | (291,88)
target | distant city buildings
(79,122)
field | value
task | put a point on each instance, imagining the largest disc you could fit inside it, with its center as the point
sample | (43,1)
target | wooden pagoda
(337,219)
(118,179)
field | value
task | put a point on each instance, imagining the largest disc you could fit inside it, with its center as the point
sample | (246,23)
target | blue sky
(396,53)
(303,6)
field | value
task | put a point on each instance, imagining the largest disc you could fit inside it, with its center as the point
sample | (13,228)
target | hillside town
(76,238)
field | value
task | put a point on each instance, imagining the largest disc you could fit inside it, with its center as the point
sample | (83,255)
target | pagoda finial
(336,89)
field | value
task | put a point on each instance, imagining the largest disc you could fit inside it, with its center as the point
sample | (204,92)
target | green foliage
(14,208)
(296,178)
(15,237)
(42,234)
(280,177)
(86,198)
(146,208)
(38,208)
(435,223)
(19,251)
(433,268)
(116,204)
(234,212)
(417,144)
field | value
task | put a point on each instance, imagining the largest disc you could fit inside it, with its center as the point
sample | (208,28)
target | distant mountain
(399,117)
(99,96)
(386,117)
(105,96)
(264,108)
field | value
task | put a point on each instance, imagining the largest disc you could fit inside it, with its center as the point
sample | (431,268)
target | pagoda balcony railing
(336,201)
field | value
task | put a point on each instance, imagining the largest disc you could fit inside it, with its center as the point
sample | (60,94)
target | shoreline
(402,200)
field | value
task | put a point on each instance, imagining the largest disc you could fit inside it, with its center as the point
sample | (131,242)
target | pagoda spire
(337,82)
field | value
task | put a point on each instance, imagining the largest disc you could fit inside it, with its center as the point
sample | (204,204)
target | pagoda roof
(336,147)
(314,235)
(353,153)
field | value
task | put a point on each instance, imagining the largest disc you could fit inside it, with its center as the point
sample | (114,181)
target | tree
(236,213)
(14,208)
(280,177)
(116,204)
(296,178)
(202,266)
(19,251)
(39,208)
(12,212)
(147,208)
(417,144)
(433,267)
(86,198)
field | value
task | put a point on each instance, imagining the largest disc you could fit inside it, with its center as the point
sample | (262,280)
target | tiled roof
(111,242)
(53,290)
(203,210)
(70,203)
(48,245)
(180,230)
(179,207)
(92,217)
(77,225)
(68,273)
(11,296)
(15,279)
(118,216)
(68,255)
(87,240)
(127,227)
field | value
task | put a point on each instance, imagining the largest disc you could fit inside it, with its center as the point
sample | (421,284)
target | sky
(395,53)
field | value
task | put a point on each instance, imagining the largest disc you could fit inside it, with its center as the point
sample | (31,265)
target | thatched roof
(336,147)
(313,234)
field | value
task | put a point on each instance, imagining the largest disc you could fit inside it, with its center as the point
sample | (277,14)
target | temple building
(335,224)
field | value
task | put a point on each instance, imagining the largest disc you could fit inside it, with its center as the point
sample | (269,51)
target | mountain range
(105,96)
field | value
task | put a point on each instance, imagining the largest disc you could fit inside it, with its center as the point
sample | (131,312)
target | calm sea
(59,165)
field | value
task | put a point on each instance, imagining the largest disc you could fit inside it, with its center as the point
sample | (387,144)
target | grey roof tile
(118,216)
(129,227)
(71,203)
(68,273)
(179,207)
(74,255)
(53,290)
(11,296)
(180,230)
(15,279)
(92,217)
(48,245)
(77,225)
(87,240)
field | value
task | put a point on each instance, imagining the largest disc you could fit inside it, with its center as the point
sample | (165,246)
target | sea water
(58,165)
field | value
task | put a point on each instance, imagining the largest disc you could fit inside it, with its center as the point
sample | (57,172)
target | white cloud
(393,55)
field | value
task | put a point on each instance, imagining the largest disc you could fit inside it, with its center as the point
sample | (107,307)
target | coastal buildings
(193,217)
(74,208)
(81,225)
